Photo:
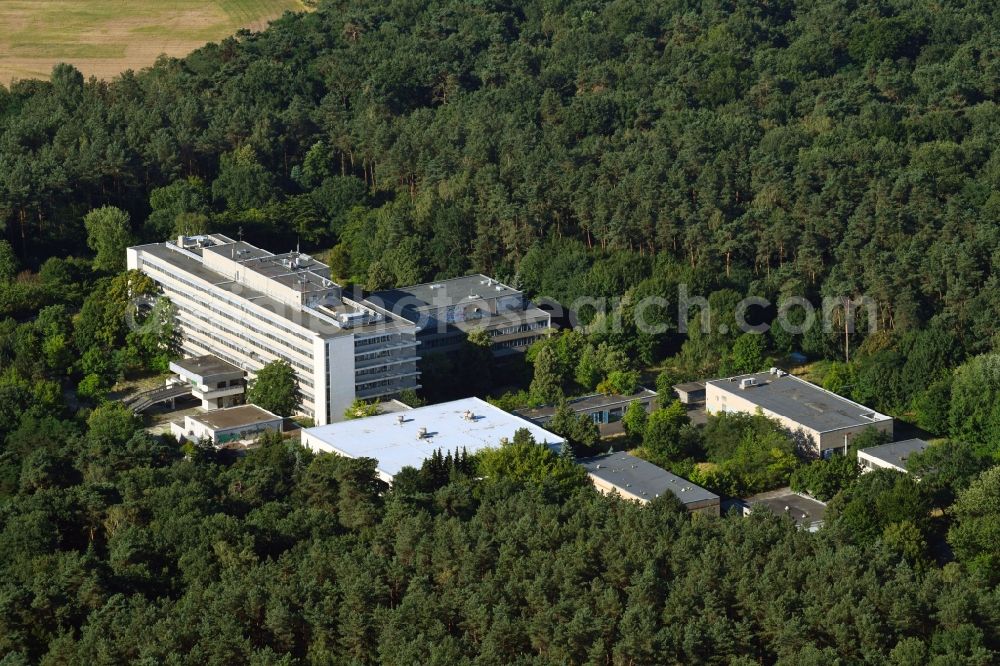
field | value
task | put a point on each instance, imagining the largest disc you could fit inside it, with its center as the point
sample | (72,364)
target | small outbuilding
(894,455)
(690,393)
(217,383)
(806,512)
(228,425)
(637,479)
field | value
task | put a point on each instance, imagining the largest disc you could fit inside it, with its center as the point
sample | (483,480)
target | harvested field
(103,38)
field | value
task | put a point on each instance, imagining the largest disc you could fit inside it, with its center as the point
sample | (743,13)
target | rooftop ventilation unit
(351,319)
(747,382)
(400,419)
(468,415)
(422,433)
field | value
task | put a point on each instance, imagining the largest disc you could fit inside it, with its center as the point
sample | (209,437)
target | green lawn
(105,37)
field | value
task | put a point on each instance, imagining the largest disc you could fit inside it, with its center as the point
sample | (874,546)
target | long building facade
(249,307)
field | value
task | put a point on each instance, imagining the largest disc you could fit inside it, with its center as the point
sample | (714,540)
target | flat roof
(643,478)
(802,402)
(689,387)
(896,453)
(312,320)
(234,417)
(805,511)
(443,293)
(397,445)
(587,403)
(206,366)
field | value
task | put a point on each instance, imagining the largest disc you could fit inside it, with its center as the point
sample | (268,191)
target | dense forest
(798,148)
(130,553)
(614,150)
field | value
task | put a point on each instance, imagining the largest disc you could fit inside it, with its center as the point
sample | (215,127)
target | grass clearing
(103,38)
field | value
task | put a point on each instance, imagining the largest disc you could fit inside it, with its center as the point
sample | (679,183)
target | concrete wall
(194,430)
(340,352)
(718,401)
(869,464)
(706,508)
(247,432)
(835,439)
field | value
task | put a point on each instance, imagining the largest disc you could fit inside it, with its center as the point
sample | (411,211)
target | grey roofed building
(894,455)
(638,479)
(217,383)
(826,419)
(690,392)
(806,512)
(606,410)
(234,417)
(227,426)
(454,291)
(446,311)
(799,400)
(206,367)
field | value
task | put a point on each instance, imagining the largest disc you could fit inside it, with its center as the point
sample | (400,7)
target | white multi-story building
(249,307)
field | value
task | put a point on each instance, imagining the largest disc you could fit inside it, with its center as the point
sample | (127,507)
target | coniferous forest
(618,150)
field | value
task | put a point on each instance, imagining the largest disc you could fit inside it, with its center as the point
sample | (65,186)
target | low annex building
(606,410)
(228,425)
(637,479)
(407,438)
(895,455)
(690,393)
(826,420)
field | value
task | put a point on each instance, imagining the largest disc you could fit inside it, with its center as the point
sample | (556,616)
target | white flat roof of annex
(396,444)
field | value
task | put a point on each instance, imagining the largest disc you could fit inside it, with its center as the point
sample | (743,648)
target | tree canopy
(276,389)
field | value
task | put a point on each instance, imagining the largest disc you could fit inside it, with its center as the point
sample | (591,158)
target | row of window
(195,347)
(244,334)
(216,293)
(378,370)
(515,344)
(521,328)
(218,340)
